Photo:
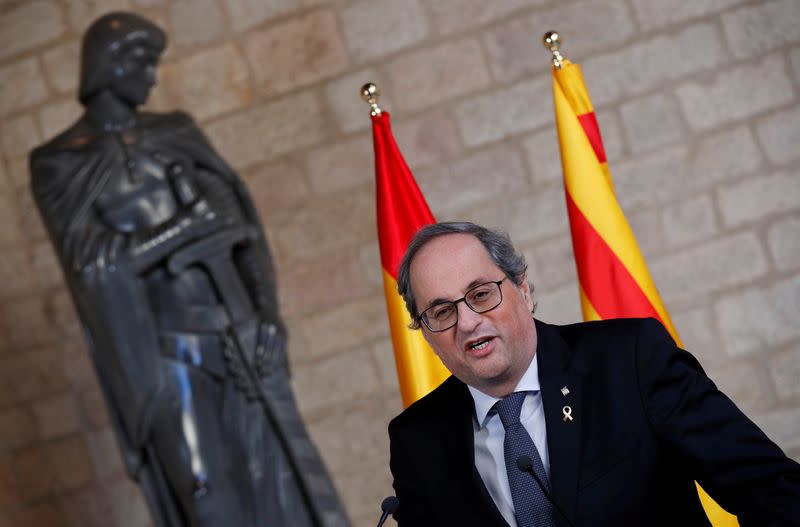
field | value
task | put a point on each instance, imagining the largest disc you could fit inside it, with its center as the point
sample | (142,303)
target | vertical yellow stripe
(419,370)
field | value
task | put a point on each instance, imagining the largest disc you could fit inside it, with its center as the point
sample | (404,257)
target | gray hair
(497,244)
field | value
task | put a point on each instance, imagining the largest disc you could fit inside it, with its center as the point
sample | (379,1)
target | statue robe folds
(172,279)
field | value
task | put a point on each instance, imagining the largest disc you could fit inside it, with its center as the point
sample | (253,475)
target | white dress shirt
(489,436)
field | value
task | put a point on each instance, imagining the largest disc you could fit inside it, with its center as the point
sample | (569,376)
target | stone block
(17,428)
(715,265)
(355,436)
(466,182)
(62,310)
(57,116)
(428,138)
(698,333)
(326,225)
(543,157)
(28,322)
(30,222)
(778,134)
(83,12)
(45,265)
(364,489)
(31,375)
(57,416)
(651,121)
(346,326)
(755,319)
(105,454)
(383,351)
(746,384)
(450,16)
(16,277)
(93,406)
(653,15)
(678,171)
(781,426)
(86,507)
(559,306)
(19,135)
(735,94)
(330,281)
(511,45)
(274,129)
(27,25)
(69,462)
(784,243)
(209,83)
(245,14)
(277,189)
(343,96)
(429,76)
(759,197)
(334,168)
(335,381)
(689,220)
(298,52)
(21,85)
(376,28)
(32,473)
(128,506)
(647,64)
(505,112)
(755,29)
(62,66)
(794,59)
(196,21)
(39,514)
(551,263)
(648,229)
(784,369)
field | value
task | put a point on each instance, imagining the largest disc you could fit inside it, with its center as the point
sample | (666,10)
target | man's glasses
(481,298)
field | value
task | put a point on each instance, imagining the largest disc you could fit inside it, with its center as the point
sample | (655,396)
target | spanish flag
(613,278)
(402,211)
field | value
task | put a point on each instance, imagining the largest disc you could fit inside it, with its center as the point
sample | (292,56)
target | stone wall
(700,110)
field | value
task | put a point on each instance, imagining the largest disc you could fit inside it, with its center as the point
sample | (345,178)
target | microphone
(388,506)
(525,464)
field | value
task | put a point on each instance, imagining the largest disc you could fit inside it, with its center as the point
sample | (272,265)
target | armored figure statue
(173,281)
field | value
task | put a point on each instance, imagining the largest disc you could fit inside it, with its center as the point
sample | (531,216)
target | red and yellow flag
(613,278)
(402,211)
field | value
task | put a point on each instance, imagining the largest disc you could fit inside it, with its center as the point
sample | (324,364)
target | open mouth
(480,344)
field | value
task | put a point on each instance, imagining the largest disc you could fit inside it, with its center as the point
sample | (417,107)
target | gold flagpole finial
(552,41)
(370,94)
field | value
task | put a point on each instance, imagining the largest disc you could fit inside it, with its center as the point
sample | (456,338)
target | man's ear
(525,290)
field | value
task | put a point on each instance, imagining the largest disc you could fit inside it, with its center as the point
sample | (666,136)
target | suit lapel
(563,434)
(473,498)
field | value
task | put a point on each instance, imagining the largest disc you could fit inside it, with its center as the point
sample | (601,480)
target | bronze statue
(173,281)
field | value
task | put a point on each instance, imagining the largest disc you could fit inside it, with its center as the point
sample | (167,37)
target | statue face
(134,73)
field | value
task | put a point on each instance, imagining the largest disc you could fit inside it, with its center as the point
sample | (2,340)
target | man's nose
(467,318)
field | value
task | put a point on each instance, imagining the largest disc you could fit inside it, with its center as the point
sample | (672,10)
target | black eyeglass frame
(422,320)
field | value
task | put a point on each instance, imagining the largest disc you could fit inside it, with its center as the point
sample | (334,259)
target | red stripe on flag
(402,209)
(592,130)
(609,286)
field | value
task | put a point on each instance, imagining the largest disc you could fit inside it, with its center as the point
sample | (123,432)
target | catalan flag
(402,211)
(613,277)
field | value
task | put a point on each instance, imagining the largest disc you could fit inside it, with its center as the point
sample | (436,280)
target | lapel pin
(564,391)
(567,413)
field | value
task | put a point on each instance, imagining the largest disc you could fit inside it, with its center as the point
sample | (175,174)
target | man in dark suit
(600,423)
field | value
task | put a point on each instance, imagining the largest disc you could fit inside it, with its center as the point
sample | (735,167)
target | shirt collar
(484,403)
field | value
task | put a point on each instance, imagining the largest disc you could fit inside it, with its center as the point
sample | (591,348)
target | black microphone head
(390,504)
(524,463)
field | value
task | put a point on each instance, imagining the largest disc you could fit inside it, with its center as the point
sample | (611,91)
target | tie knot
(508,408)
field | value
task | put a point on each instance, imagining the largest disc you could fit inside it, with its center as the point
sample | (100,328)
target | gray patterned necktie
(531,506)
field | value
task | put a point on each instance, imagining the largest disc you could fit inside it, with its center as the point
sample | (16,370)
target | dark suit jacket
(647,423)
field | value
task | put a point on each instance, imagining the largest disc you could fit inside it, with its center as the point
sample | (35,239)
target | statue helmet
(105,40)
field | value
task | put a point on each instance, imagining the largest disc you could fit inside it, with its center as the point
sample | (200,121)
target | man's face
(446,268)
(135,74)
